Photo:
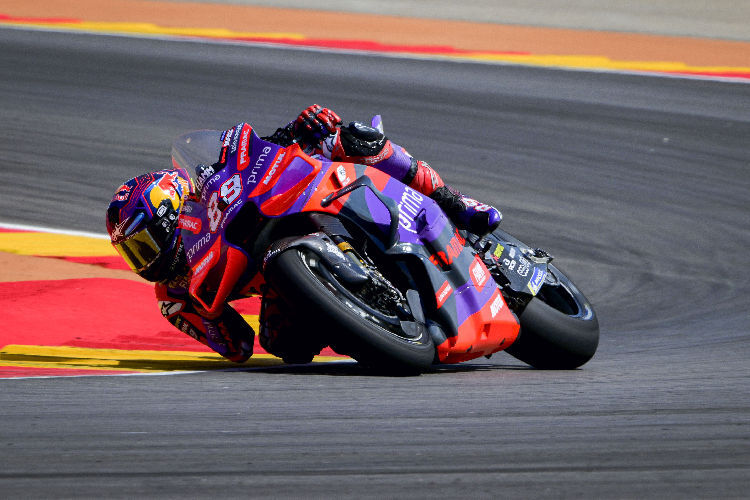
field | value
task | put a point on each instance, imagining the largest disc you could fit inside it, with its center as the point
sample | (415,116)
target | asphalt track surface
(638,185)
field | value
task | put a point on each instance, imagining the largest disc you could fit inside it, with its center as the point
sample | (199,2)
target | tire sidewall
(365,341)
(552,339)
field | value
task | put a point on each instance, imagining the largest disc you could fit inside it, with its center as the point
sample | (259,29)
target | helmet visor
(139,250)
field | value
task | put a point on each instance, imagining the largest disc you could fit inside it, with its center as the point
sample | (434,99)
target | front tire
(559,328)
(372,336)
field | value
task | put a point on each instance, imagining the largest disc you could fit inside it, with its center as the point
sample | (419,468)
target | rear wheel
(369,322)
(559,328)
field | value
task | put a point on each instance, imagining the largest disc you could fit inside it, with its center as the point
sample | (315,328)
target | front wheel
(366,323)
(559,328)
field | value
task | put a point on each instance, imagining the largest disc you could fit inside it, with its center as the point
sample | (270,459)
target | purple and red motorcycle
(374,268)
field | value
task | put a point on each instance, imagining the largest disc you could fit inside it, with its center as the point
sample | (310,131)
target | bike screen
(191,149)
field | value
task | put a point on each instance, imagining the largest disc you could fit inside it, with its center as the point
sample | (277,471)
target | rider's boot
(465,212)
(359,143)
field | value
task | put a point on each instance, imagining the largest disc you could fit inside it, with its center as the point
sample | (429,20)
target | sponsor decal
(168,184)
(452,251)
(169,221)
(523,267)
(270,255)
(408,209)
(118,232)
(274,167)
(205,240)
(537,279)
(329,144)
(496,305)
(203,265)
(228,213)
(478,273)
(165,188)
(186,327)
(477,206)
(243,160)
(253,177)
(235,139)
(204,173)
(192,224)
(123,193)
(223,156)
(344,179)
(443,293)
(184,185)
(208,184)
(386,152)
(170,308)
(434,179)
(333,249)
(498,251)
(226,137)
(214,334)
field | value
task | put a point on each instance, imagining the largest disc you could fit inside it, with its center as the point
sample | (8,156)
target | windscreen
(194,148)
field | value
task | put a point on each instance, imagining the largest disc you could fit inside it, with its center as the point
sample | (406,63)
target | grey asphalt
(638,185)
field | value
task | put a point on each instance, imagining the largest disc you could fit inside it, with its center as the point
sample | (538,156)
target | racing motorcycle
(375,268)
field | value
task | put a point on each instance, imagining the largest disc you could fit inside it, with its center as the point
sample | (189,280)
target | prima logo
(252,178)
(408,208)
(205,240)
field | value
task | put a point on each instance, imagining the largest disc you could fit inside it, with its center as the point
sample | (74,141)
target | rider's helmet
(142,222)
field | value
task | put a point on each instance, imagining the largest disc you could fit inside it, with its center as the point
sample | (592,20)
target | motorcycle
(375,268)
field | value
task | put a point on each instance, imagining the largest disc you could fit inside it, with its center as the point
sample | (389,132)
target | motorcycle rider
(143,219)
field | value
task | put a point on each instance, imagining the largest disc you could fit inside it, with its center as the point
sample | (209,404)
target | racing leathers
(321,132)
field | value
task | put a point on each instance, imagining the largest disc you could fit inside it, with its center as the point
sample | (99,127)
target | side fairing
(467,301)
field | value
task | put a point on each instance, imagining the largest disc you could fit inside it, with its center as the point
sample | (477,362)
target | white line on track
(44,229)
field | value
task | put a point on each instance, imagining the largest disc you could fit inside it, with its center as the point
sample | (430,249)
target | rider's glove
(315,124)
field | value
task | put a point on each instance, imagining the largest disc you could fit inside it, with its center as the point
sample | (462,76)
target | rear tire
(559,328)
(371,336)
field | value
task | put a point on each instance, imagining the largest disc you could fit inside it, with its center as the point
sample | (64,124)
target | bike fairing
(285,181)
